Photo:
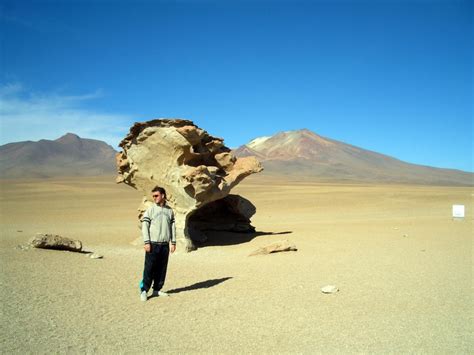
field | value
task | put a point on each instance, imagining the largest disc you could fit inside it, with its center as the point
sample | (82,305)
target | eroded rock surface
(197,170)
(282,245)
(52,241)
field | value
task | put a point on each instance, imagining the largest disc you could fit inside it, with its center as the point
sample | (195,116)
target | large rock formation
(196,170)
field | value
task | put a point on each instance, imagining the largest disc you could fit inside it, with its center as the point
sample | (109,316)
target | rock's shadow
(222,238)
(86,252)
(199,285)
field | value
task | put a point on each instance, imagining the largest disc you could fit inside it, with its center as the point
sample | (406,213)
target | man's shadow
(199,285)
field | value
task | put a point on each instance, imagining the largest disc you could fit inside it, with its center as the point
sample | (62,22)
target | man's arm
(173,232)
(146,220)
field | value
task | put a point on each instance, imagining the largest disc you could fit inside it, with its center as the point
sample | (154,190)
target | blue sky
(391,76)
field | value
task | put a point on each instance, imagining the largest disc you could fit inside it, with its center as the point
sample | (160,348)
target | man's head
(159,195)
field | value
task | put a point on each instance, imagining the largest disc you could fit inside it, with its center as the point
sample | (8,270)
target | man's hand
(173,248)
(147,247)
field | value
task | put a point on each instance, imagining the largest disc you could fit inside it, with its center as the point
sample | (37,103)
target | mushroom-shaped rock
(197,170)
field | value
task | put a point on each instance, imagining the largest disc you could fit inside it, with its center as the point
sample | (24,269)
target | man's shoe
(143,296)
(159,294)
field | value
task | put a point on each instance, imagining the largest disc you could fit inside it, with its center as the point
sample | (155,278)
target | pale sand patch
(402,265)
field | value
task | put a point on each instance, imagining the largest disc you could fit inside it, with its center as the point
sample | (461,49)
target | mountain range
(68,155)
(304,154)
(300,154)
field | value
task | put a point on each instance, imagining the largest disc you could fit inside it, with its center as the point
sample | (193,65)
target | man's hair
(160,190)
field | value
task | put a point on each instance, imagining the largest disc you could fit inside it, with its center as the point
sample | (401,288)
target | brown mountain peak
(68,155)
(68,138)
(303,153)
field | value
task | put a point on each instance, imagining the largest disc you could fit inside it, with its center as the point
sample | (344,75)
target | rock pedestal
(198,172)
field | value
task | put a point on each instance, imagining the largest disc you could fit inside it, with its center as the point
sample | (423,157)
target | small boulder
(329,289)
(95,256)
(282,245)
(52,241)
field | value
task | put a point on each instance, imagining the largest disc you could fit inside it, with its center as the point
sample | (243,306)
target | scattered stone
(329,289)
(22,247)
(405,236)
(95,256)
(56,242)
(19,231)
(282,245)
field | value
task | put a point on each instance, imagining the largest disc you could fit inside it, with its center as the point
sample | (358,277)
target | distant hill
(68,155)
(304,154)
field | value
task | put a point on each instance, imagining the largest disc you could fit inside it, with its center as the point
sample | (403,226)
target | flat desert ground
(403,267)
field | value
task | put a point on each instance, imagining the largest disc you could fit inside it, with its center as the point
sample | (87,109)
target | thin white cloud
(10,89)
(25,115)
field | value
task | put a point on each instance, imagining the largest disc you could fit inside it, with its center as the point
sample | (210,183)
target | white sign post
(458,211)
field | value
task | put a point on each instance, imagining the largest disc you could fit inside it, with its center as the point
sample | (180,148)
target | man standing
(159,231)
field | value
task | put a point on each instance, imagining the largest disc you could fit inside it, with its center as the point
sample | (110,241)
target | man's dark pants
(156,262)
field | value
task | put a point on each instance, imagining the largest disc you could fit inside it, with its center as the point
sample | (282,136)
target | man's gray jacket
(158,225)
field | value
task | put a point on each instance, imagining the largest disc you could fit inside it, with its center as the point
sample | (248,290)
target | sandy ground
(403,267)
